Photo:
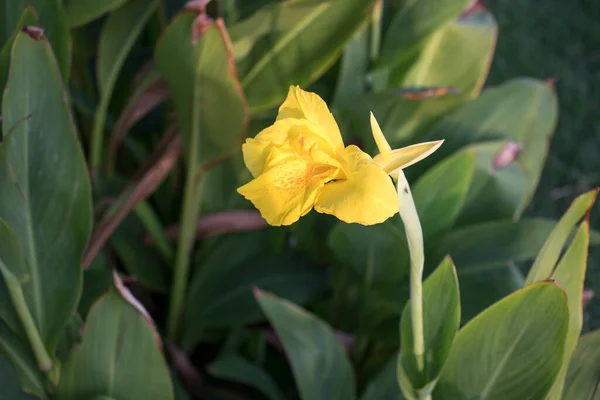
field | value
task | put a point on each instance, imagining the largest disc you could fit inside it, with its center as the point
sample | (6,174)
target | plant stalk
(97,141)
(189,215)
(414,236)
(33,336)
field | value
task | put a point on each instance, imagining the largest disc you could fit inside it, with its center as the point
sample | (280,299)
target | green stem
(414,236)
(98,134)
(37,345)
(189,214)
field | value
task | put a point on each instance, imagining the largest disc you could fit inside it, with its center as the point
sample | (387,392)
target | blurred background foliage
(549,41)
(160,116)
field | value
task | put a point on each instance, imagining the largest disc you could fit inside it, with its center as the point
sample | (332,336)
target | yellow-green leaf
(512,350)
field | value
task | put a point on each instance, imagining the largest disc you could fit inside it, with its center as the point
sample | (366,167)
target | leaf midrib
(32,248)
(500,366)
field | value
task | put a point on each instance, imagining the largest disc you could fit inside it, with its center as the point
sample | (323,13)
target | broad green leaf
(52,18)
(494,193)
(209,104)
(294,42)
(28,17)
(122,349)
(546,260)
(119,33)
(321,368)
(570,275)
(522,111)
(10,389)
(376,253)
(441,319)
(512,350)
(584,369)
(401,118)
(236,368)
(412,24)
(17,352)
(485,254)
(440,193)
(46,196)
(71,337)
(351,80)
(117,37)
(458,55)
(220,293)
(385,384)
(96,282)
(80,12)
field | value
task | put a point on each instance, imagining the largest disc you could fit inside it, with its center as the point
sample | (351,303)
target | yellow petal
(382,144)
(306,105)
(285,192)
(256,151)
(366,197)
(406,156)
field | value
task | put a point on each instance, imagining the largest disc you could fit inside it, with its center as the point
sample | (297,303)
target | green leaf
(96,282)
(376,253)
(441,319)
(28,17)
(17,352)
(351,80)
(512,350)
(412,24)
(122,348)
(209,104)
(10,389)
(117,37)
(522,111)
(289,43)
(570,275)
(584,369)
(385,384)
(402,119)
(52,18)
(220,293)
(46,196)
(80,12)
(440,194)
(236,368)
(546,260)
(140,260)
(458,55)
(485,254)
(320,366)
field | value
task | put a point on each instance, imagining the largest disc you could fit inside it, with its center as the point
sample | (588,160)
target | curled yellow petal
(367,196)
(406,156)
(285,192)
(305,105)
(256,151)
(382,143)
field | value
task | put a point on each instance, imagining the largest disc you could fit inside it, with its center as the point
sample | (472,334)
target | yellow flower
(300,162)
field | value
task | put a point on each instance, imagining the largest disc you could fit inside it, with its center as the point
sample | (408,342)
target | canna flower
(300,163)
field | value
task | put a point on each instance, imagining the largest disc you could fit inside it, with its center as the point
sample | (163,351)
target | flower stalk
(414,236)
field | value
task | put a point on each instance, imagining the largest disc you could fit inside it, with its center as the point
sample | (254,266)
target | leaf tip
(551,82)
(258,292)
(34,32)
